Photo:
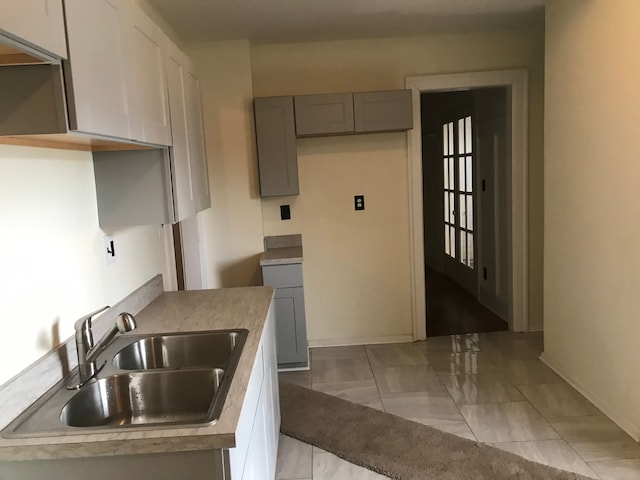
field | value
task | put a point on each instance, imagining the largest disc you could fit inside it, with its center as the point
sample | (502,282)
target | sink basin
(207,349)
(148,381)
(144,398)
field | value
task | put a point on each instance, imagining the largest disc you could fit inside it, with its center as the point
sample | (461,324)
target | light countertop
(170,312)
(281,256)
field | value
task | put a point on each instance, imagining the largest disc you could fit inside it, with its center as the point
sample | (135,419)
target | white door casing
(517,171)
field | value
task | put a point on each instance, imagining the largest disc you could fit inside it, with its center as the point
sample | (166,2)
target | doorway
(465,209)
(515,82)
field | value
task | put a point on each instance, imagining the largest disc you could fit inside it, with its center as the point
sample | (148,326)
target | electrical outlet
(285,212)
(358,201)
(109,249)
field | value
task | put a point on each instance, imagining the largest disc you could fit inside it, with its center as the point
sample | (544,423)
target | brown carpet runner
(396,447)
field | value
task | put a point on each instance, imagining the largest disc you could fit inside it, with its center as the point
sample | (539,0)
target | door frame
(516,82)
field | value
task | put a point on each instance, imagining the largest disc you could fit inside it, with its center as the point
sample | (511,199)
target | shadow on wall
(50,342)
(245,272)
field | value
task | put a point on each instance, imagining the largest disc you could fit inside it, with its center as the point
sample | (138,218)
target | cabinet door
(324,114)
(95,75)
(276,141)
(383,111)
(147,89)
(39,23)
(197,149)
(190,172)
(291,332)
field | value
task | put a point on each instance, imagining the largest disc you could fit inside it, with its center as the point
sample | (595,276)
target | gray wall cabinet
(291,326)
(279,120)
(387,111)
(276,142)
(329,114)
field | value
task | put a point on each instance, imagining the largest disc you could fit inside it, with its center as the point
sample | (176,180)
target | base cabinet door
(291,326)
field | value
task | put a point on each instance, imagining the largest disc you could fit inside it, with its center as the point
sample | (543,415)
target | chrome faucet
(88,351)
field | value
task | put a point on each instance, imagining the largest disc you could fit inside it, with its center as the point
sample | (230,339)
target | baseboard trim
(617,417)
(345,342)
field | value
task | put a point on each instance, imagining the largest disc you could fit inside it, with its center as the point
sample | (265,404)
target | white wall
(592,180)
(232,227)
(356,267)
(52,267)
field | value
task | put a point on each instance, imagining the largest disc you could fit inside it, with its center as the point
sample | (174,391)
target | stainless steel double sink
(148,381)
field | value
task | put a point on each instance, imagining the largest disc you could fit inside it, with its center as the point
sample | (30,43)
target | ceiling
(274,21)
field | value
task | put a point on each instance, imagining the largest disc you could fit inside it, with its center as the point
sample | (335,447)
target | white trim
(345,342)
(616,416)
(518,222)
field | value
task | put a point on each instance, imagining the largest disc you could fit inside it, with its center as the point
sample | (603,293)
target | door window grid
(458,174)
(449,189)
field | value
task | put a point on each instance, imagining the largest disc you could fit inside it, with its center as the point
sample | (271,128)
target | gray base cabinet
(291,325)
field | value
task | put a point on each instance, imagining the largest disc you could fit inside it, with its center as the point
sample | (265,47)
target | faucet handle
(85,322)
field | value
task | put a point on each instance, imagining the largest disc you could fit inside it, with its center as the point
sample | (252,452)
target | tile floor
(488,387)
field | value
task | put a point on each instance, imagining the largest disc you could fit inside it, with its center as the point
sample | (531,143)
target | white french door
(459,205)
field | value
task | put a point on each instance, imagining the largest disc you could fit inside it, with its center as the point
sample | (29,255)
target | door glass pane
(446,207)
(469,174)
(469,211)
(452,236)
(451,174)
(447,250)
(445,136)
(461,144)
(450,125)
(463,247)
(463,211)
(452,206)
(470,249)
(446,173)
(467,135)
(461,173)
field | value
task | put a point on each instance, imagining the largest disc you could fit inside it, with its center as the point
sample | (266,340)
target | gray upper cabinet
(330,114)
(276,142)
(386,111)
(38,23)
(133,187)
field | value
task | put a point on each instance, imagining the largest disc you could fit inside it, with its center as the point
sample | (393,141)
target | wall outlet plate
(358,201)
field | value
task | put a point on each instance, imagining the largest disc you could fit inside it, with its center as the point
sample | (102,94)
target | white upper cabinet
(189,160)
(96,75)
(38,23)
(147,88)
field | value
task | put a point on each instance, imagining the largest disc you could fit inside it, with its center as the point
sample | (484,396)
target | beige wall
(356,268)
(232,227)
(53,269)
(592,179)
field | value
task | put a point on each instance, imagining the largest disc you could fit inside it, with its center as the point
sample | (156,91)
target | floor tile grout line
(375,380)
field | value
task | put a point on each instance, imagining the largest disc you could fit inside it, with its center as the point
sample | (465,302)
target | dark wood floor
(452,310)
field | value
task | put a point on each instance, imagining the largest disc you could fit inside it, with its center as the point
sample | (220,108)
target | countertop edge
(212,309)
